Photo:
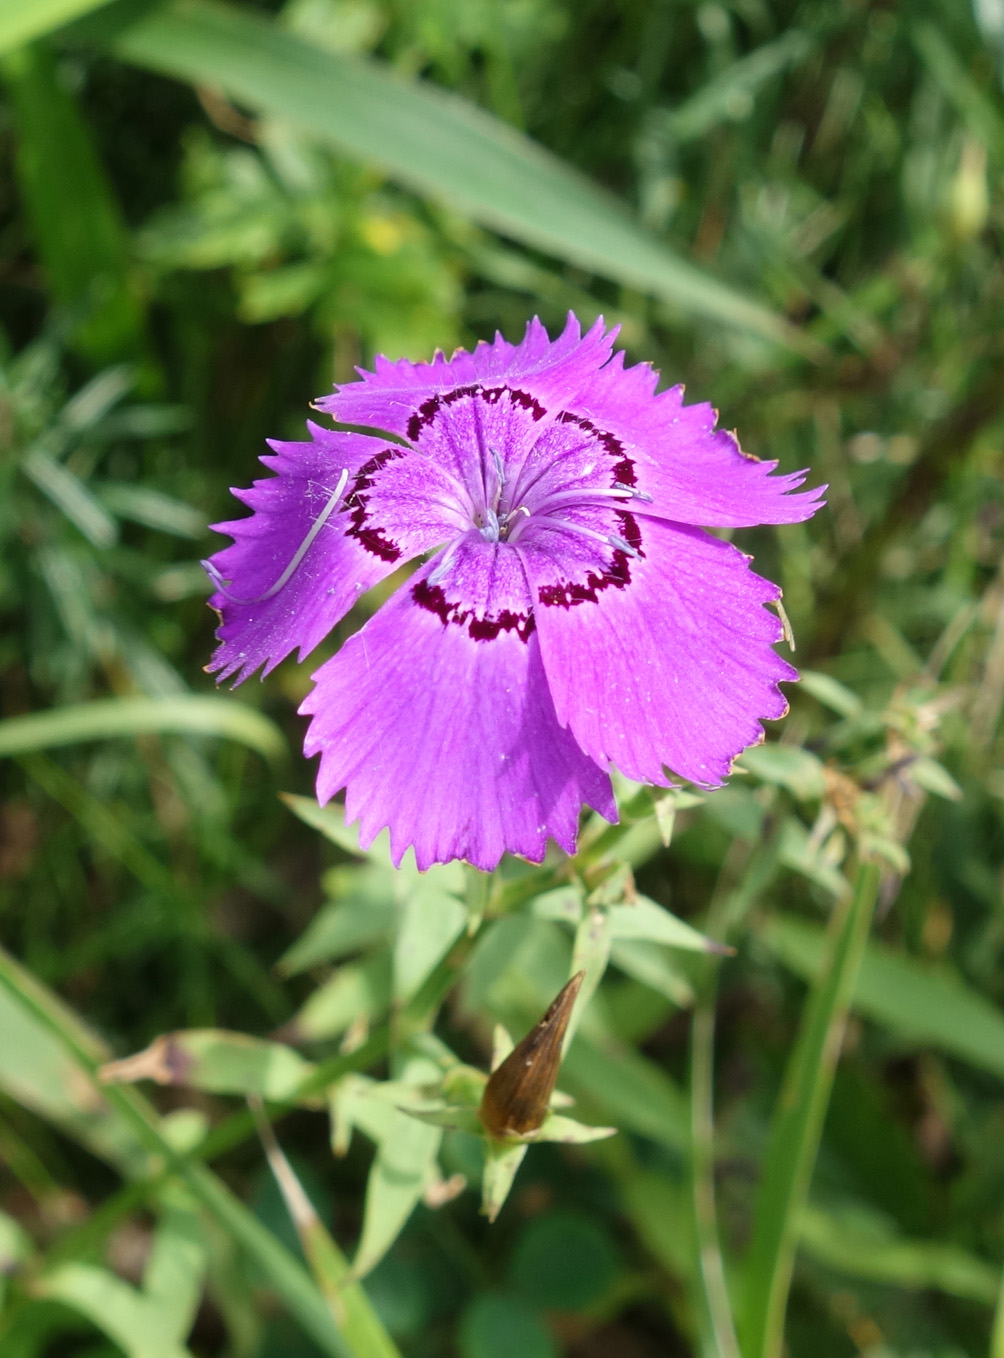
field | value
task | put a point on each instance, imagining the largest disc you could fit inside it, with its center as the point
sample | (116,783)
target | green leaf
(330,821)
(154,509)
(404,1164)
(431,923)
(728,97)
(109,718)
(558,1127)
(647,921)
(216,1061)
(978,108)
(653,968)
(786,766)
(362,914)
(629,1091)
(432,142)
(925,1005)
(21,21)
(863,1246)
(85,251)
(36,1070)
(502,1161)
(357,992)
(831,693)
(935,778)
(798,851)
(358,1324)
(70,495)
(172,1279)
(454,1116)
(115,1308)
(590,953)
(15,1248)
(563,904)
(51,1030)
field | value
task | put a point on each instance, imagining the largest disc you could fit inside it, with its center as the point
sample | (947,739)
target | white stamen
(590,493)
(298,555)
(444,563)
(608,539)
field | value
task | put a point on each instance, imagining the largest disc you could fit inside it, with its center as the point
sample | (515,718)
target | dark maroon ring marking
(623,467)
(431,597)
(431,407)
(567,593)
(366,534)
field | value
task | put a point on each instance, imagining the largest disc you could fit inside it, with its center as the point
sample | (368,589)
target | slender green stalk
(997,1334)
(712,1270)
(285,1273)
(740,882)
(798,1122)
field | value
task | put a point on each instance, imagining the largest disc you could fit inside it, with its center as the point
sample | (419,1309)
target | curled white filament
(297,557)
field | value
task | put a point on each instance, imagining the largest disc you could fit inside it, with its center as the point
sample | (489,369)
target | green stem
(997,1334)
(740,882)
(798,1122)
(361,1336)
(709,1250)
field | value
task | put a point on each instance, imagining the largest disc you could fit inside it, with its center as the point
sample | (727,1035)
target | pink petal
(436,718)
(344,558)
(550,372)
(694,473)
(665,661)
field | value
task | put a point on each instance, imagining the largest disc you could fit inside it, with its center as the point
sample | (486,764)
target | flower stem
(798,1121)
(709,1250)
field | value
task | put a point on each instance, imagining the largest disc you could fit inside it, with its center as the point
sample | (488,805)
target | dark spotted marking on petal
(518,398)
(373,539)
(568,593)
(431,597)
(431,407)
(623,469)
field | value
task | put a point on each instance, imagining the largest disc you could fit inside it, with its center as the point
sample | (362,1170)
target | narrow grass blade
(21,21)
(436,144)
(870,1249)
(193,715)
(798,1123)
(84,250)
(927,1006)
(997,1335)
(135,1118)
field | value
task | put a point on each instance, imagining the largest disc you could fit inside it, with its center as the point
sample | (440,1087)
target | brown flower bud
(518,1093)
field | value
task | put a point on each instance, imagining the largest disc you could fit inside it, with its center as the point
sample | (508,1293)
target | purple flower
(571,612)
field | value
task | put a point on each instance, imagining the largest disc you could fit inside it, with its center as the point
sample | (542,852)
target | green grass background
(208,214)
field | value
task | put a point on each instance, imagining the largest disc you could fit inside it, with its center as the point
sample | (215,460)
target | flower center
(492,521)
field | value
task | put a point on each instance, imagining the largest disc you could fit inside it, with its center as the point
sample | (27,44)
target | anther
(622,545)
(633,492)
(298,555)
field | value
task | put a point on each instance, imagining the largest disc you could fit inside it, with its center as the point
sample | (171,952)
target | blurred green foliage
(210,212)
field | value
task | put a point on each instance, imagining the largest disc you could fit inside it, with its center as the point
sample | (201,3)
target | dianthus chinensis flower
(573,614)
